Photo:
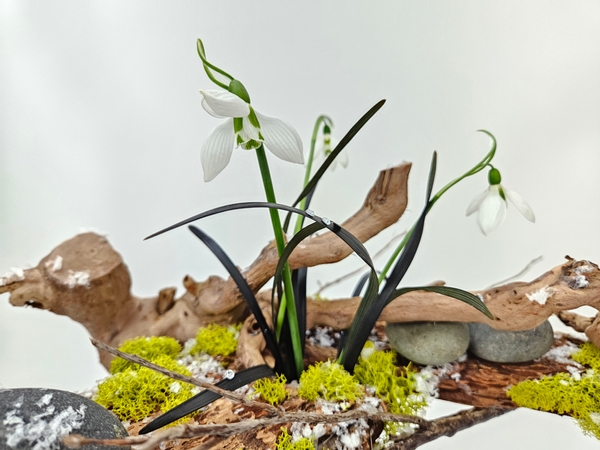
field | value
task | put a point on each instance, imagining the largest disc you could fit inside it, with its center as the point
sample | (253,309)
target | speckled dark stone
(37,419)
(429,342)
(510,346)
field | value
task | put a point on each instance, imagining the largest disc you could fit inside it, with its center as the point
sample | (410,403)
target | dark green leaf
(245,290)
(310,186)
(242,378)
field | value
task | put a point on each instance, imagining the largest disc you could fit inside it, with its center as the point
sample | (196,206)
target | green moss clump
(272,390)
(284,442)
(216,340)
(398,389)
(578,396)
(149,348)
(134,394)
(588,355)
(330,381)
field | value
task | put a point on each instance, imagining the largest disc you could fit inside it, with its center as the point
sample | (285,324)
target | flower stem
(477,168)
(287,302)
(322,119)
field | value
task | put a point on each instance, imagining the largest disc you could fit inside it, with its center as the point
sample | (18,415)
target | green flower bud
(237,88)
(494,176)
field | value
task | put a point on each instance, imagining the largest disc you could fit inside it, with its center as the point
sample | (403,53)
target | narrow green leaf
(335,152)
(458,294)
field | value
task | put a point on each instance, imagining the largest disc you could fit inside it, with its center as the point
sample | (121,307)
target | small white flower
(491,204)
(325,146)
(244,128)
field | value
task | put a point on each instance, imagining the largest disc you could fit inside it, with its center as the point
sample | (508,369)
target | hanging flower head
(244,127)
(491,204)
(326,145)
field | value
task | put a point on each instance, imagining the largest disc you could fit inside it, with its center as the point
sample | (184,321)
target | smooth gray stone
(510,346)
(34,418)
(429,342)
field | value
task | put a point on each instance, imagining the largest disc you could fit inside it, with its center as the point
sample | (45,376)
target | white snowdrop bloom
(491,204)
(325,146)
(243,128)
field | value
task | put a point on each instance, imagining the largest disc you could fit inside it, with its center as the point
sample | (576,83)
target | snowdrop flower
(491,204)
(326,145)
(243,128)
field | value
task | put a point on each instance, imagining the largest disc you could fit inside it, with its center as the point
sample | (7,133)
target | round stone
(32,418)
(510,346)
(429,342)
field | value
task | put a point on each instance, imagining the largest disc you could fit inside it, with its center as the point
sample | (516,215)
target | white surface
(101,126)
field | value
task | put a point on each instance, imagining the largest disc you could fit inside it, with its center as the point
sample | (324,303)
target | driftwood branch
(86,279)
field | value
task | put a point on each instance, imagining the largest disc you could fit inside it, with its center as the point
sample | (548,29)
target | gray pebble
(37,419)
(429,342)
(510,346)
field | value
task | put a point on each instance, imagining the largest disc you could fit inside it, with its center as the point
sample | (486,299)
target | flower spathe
(491,204)
(244,128)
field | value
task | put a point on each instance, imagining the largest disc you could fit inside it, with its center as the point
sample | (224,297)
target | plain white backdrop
(101,126)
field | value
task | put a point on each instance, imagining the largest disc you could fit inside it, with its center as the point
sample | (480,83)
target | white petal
(249,131)
(520,204)
(474,205)
(281,139)
(491,211)
(342,158)
(224,104)
(216,150)
(209,110)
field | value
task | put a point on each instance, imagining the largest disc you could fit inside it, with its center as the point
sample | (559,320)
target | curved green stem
(287,302)
(477,168)
(322,119)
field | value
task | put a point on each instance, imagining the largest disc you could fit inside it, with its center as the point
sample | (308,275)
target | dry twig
(147,442)
(449,426)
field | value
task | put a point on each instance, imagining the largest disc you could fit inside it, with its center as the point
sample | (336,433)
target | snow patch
(54,265)
(41,432)
(542,295)
(14,274)
(563,354)
(81,278)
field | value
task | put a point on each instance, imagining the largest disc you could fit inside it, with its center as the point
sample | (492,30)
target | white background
(101,126)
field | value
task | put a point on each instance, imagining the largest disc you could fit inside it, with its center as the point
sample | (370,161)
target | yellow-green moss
(272,390)
(149,348)
(588,355)
(330,381)
(284,442)
(216,340)
(134,394)
(398,389)
(565,394)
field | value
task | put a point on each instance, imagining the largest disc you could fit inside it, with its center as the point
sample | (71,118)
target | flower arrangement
(246,129)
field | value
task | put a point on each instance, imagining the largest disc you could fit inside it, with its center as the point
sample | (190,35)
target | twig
(360,269)
(449,426)
(147,442)
(523,270)
(177,376)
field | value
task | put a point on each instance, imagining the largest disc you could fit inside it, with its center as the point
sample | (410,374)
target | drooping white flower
(492,203)
(244,128)
(326,145)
